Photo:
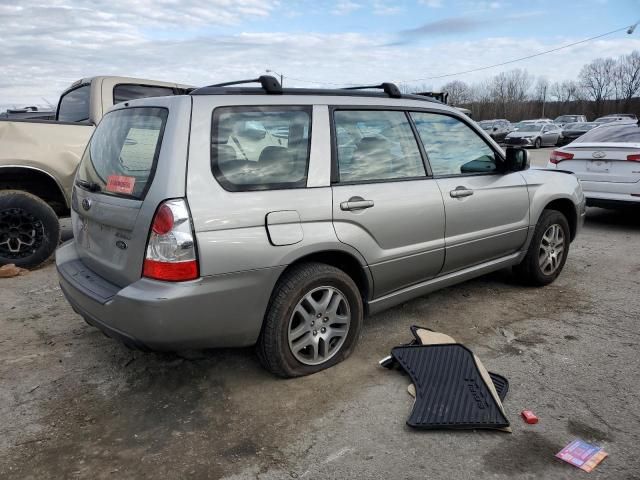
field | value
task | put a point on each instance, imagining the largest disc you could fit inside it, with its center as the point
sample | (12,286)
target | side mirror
(517,159)
(495,129)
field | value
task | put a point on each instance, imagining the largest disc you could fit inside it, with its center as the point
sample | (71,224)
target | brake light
(634,158)
(171,250)
(557,156)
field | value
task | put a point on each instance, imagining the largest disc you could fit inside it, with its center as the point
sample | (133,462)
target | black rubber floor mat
(450,392)
(501,385)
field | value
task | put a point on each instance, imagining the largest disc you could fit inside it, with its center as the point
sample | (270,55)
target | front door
(487,212)
(384,203)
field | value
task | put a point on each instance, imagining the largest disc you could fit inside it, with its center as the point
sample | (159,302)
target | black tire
(529,270)
(273,347)
(29,229)
(537,143)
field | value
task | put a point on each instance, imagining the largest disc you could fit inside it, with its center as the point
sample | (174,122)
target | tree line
(606,85)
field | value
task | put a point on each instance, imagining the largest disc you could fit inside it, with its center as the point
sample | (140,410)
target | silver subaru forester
(237,215)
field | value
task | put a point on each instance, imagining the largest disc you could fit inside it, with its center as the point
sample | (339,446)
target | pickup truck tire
(313,321)
(29,229)
(547,252)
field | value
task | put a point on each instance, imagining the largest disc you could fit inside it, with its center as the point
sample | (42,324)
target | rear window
(619,134)
(124,92)
(121,157)
(260,148)
(74,105)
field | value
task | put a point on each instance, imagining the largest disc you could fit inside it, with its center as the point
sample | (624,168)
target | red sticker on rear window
(120,184)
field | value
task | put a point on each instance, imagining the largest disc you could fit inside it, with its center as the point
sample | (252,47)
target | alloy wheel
(552,247)
(319,325)
(21,233)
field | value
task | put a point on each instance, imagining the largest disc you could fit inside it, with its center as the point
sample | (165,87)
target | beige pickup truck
(38,160)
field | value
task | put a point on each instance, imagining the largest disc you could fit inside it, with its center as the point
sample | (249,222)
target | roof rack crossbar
(268,83)
(390,89)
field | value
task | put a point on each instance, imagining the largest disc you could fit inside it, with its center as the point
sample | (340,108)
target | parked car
(186,235)
(33,113)
(606,160)
(622,117)
(497,129)
(562,120)
(38,160)
(535,135)
(571,131)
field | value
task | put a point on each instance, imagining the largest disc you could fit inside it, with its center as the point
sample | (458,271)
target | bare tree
(541,91)
(597,80)
(459,92)
(627,77)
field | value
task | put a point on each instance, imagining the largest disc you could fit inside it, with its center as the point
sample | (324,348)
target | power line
(475,69)
(518,59)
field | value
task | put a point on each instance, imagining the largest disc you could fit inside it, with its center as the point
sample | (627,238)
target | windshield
(565,118)
(527,127)
(74,105)
(121,156)
(629,133)
(486,124)
(580,126)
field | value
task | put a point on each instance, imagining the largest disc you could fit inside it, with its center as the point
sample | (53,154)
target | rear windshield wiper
(91,186)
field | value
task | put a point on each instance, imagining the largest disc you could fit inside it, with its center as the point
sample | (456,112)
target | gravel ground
(74,404)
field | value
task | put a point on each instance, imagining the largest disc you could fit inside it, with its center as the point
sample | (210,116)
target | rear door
(385,204)
(487,212)
(135,159)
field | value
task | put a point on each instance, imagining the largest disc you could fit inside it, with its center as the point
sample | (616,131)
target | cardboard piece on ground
(10,270)
(427,337)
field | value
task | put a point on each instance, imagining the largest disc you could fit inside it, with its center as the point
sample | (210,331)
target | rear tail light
(634,158)
(171,250)
(557,156)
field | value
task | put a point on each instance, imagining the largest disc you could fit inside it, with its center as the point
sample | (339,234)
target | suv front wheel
(313,321)
(548,250)
(29,229)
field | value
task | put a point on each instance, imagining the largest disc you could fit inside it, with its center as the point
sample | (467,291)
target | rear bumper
(218,311)
(611,193)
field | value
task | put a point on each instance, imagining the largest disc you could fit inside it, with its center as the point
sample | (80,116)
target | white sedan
(606,160)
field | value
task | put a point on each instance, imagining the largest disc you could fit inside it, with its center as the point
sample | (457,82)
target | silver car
(236,216)
(606,160)
(534,135)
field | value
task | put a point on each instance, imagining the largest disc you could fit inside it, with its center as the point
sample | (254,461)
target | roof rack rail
(268,83)
(390,89)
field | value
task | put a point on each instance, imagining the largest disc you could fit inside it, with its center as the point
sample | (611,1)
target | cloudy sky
(47,45)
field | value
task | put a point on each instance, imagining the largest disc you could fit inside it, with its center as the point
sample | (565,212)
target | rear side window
(125,92)
(74,105)
(121,157)
(618,133)
(260,148)
(453,148)
(375,145)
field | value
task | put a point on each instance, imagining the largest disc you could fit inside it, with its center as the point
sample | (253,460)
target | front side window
(261,148)
(74,105)
(125,92)
(121,157)
(453,148)
(376,145)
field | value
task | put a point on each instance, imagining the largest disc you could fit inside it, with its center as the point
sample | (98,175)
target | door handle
(460,192)
(356,203)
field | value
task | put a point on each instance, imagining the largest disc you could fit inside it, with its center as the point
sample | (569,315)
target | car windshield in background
(565,118)
(121,157)
(629,133)
(528,127)
(581,126)
(74,105)
(485,125)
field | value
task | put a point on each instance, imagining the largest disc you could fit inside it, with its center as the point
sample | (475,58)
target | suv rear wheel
(548,250)
(313,321)
(29,229)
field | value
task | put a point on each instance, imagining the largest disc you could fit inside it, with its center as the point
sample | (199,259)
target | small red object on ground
(529,417)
